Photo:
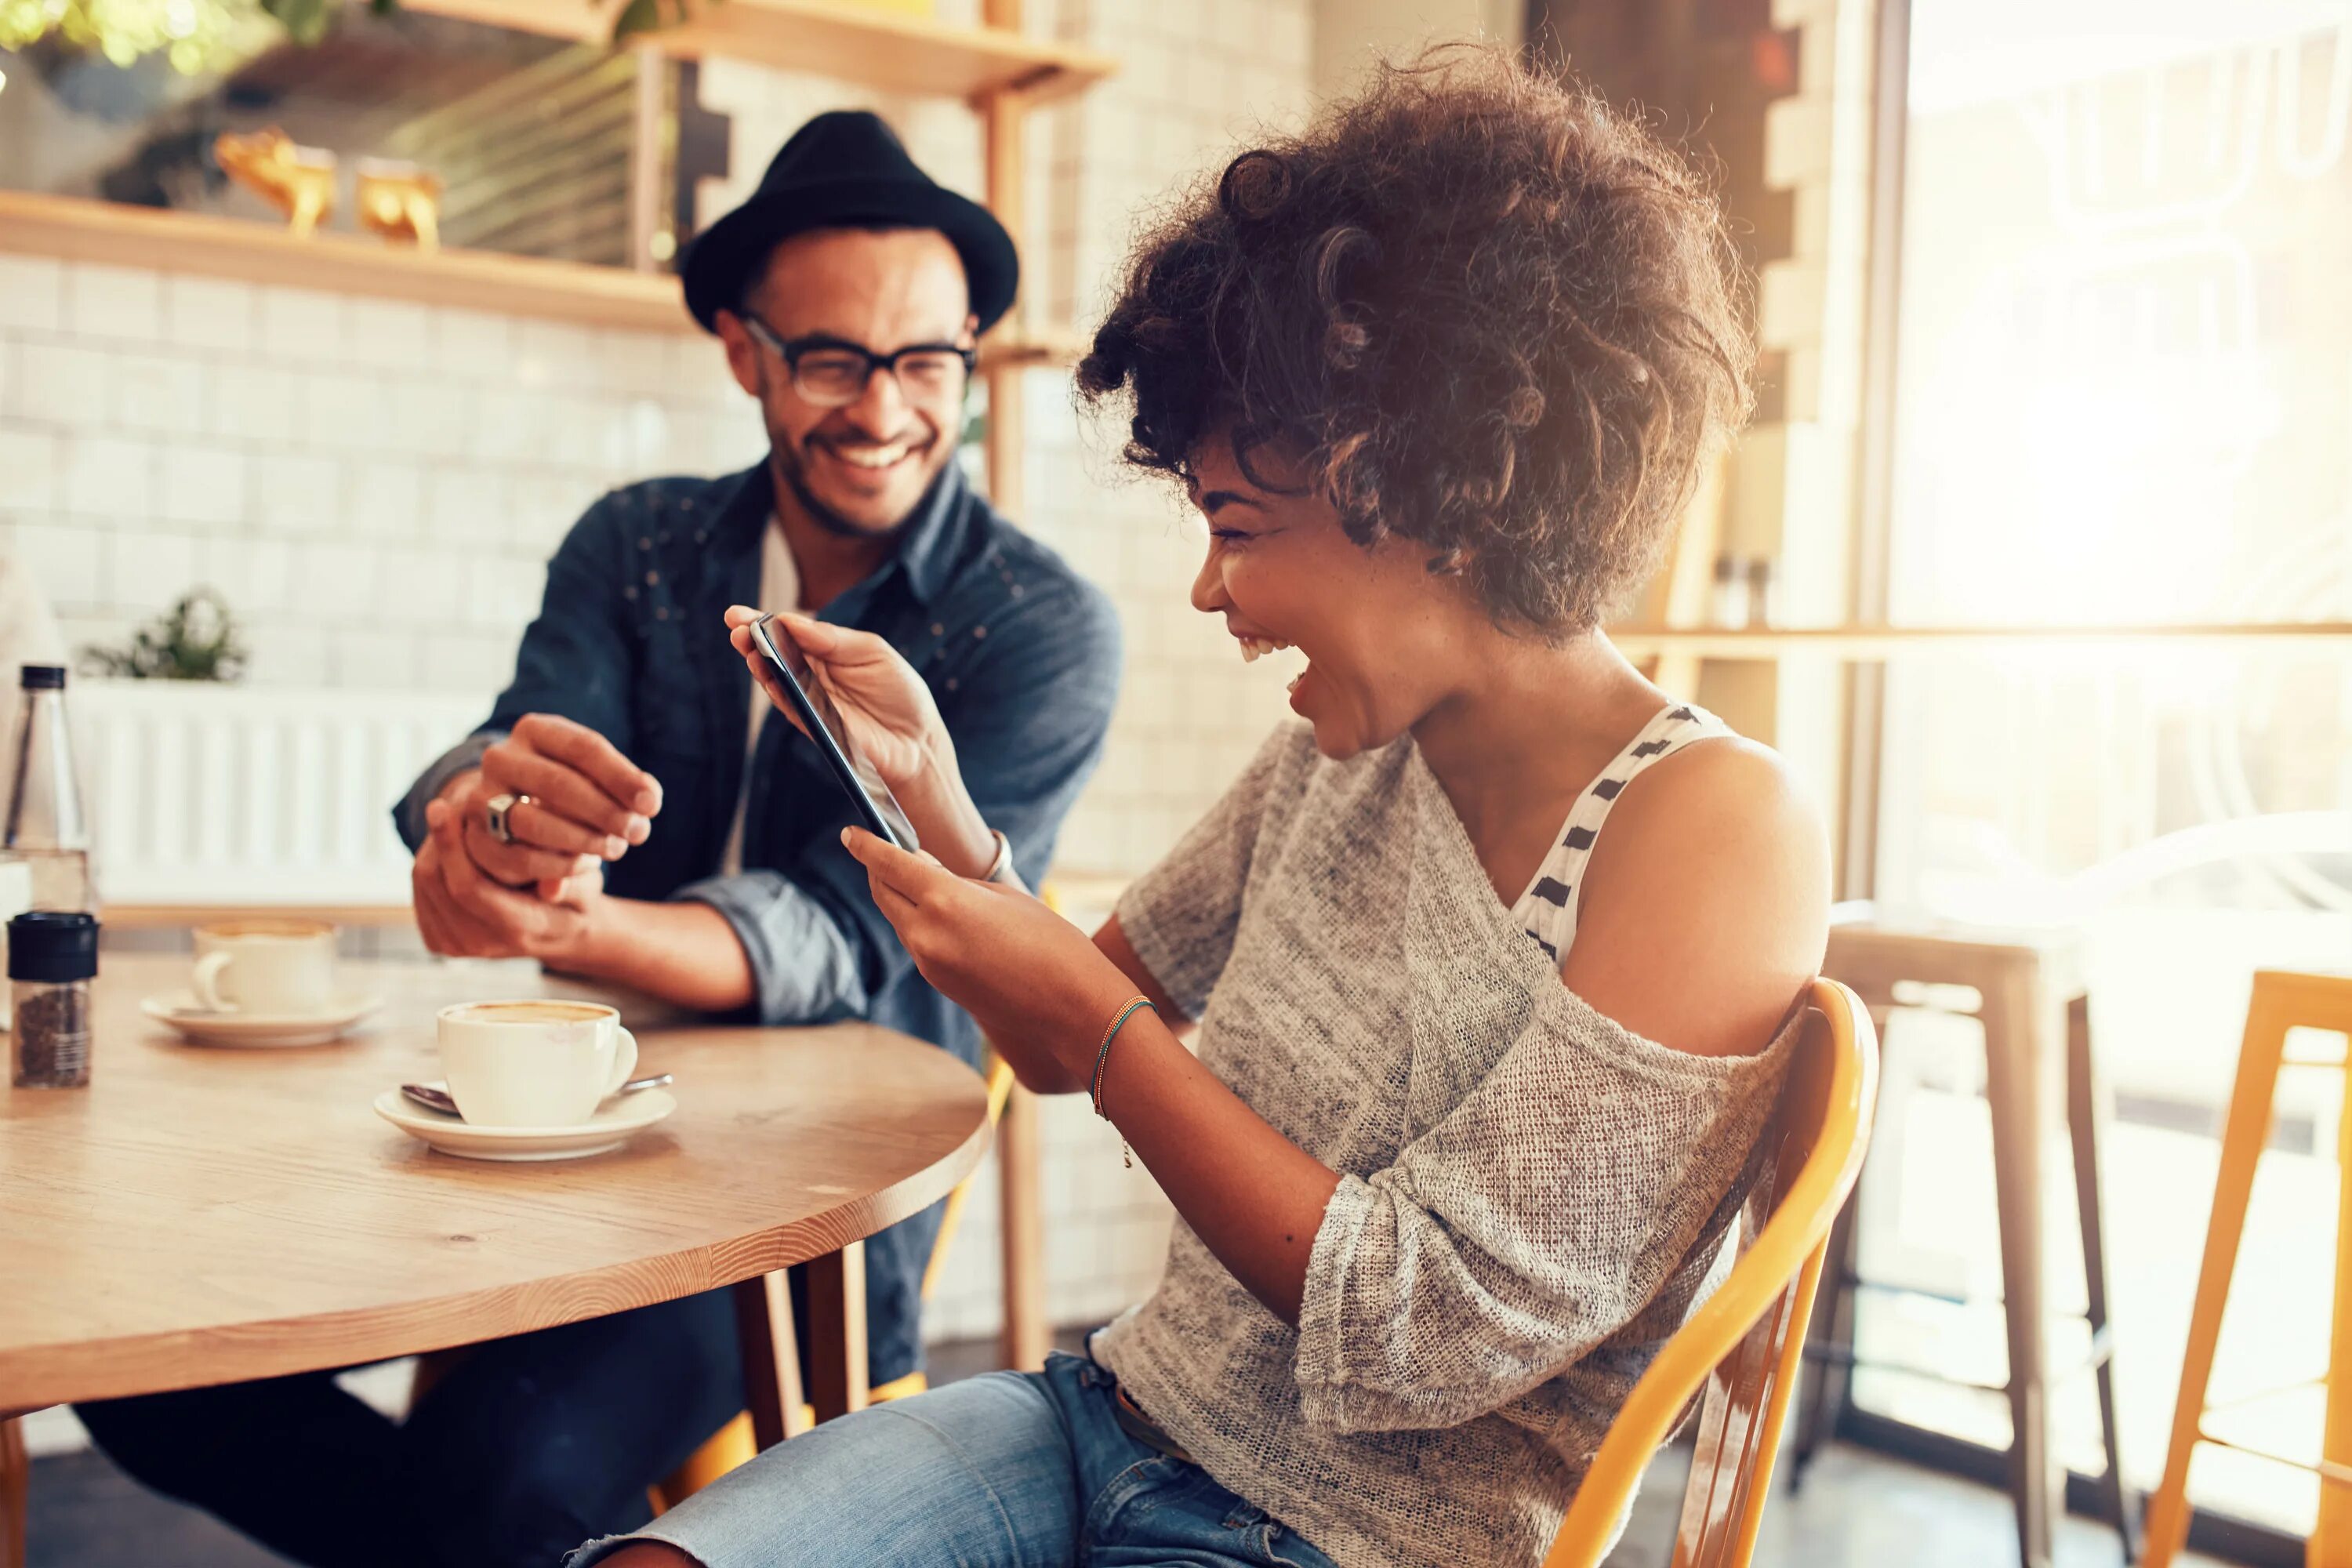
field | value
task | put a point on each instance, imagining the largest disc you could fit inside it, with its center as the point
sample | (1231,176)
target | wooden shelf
(884,49)
(77,230)
(213,246)
(1882,642)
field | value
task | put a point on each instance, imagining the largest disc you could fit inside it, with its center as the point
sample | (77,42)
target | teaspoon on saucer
(438,1099)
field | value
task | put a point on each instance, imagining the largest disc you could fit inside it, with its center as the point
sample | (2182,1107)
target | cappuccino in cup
(533,1063)
(265,967)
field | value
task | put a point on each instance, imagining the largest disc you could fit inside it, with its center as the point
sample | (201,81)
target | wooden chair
(2281,1001)
(2035,1015)
(736,1443)
(1741,1348)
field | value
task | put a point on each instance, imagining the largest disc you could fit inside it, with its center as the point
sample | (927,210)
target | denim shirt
(1021,654)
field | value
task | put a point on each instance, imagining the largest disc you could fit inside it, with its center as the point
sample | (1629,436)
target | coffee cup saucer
(203,1026)
(614,1123)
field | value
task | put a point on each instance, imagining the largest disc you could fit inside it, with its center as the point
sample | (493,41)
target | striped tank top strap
(1547,910)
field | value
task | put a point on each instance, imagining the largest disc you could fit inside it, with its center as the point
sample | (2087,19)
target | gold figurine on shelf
(298,181)
(400,202)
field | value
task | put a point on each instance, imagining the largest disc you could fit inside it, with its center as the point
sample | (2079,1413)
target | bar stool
(2036,1017)
(2281,1001)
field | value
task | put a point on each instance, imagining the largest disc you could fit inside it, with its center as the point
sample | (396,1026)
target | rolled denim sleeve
(804,968)
(1028,722)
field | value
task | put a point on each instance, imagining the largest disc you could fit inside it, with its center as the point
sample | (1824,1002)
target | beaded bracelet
(1102,1059)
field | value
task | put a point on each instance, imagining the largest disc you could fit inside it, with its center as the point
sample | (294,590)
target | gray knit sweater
(1531,1198)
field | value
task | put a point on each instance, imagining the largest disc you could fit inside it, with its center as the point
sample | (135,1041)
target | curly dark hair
(1476,308)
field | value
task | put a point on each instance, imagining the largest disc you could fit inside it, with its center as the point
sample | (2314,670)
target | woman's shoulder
(1705,907)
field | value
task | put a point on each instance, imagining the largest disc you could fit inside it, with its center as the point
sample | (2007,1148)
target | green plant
(195,640)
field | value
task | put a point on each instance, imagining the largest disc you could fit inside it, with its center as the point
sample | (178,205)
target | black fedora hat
(844,170)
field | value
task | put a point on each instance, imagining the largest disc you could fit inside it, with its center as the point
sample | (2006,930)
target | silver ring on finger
(500,812)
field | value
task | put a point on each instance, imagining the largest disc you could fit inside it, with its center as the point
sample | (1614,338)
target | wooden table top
(200,1215)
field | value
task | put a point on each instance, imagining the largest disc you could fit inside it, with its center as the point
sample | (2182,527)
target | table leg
(1027,1335)
(15,1484)
(772,1363)
(836,1291)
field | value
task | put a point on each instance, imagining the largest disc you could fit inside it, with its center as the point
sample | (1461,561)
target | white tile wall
(376,486)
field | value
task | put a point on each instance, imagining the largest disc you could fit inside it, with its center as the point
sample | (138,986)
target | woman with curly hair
(1491,962)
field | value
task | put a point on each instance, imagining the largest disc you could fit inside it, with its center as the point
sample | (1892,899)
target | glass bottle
(52,957)
(46,829)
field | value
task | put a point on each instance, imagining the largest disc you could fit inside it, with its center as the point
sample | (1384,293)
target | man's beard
(791,467)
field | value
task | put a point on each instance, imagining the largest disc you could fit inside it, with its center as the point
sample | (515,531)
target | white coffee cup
(279,967)
(534,1063)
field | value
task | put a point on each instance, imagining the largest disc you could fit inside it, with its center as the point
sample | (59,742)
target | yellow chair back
(1743,1346)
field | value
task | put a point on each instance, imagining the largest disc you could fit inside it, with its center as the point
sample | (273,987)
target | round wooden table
(201,1215)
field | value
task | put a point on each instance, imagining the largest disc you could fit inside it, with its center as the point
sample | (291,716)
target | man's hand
(462,913)
(588,803)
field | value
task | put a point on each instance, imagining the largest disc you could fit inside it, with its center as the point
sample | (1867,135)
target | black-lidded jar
(52,958)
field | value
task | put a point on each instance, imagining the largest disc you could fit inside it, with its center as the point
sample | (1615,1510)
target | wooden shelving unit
(211,246)
(196,243)
(881,48)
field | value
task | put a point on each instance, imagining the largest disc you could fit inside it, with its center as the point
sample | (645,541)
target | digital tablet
(876,809)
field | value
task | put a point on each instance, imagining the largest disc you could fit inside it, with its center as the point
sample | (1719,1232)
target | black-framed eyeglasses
(833,372)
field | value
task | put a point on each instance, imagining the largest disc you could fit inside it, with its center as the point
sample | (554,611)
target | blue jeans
(1011,1470)
(526,1445)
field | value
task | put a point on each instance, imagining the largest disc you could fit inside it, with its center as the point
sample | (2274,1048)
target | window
(2125,397)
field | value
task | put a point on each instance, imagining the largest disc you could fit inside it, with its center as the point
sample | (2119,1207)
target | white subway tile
(116,303)
(505,592)
(253,402)
(335,409)
(159,392)
(331,582)
(66,560)
(367,659)
(209,312)
(429,419)
(387,500)
(465,507)
(699,372)
(474,344)
(541,511)
(553,353)
(510,425)
(63,383)
(638,438)
(390,332)
(573,433)
(254,575)
(287,654)
(149,571)
(302,324)
(203,484)
(110,478)
(468,661)
(32,465)
(419,587)
(634,362)
(297,492)
(31,293)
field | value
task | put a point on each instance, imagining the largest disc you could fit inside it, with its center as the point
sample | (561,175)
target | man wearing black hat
(626,814)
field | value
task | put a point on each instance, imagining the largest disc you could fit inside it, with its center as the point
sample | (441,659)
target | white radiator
(216,796)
